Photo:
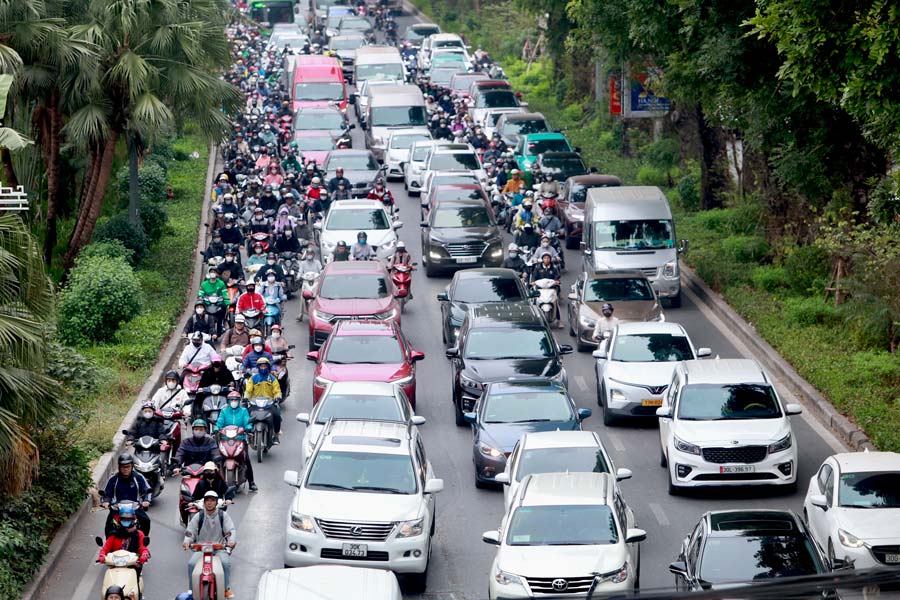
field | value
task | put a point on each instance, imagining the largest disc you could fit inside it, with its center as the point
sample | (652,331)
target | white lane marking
(618,446)
(86,585)
(659,513)
(582,384)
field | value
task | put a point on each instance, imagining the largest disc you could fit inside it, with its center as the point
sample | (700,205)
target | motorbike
(208,578)
(548,200)
(288,263)
(233,292)
(261,237)
(187,507)
(148,454)
(233,360)
(214,400)
(191,384)
(547,300)
(262,417)
(215,308)
(307,290)
(252,318)
(122,571)
(234,468)
(281,372)
(402,278)
(273,314)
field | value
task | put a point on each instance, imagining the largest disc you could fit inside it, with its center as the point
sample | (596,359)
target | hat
(239,319)
(209,466)
(277,326)
(210,494)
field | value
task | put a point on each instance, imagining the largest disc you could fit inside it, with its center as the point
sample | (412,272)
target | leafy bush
(120,228)
(664,154)
(107,249)
(769,278)
(808,269)
(810,311)
(154,219)
(719,270)
(151,182)
(745,248)
(689,192)
(650,175)
(717,219)
(100,295)
(879,366)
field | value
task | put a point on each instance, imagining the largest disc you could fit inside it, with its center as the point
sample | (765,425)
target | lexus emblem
(560,585)
(356,530)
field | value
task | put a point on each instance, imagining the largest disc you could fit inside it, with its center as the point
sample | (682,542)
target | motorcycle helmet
(125,459)
(527,226)
(198,423)
(606,309)
(126,516)
(513,247)
(342,244)
(401,245)
(232,395)
(112,591)
(362,235)
(315,180)
(147,409)
(172,375)
(210,467)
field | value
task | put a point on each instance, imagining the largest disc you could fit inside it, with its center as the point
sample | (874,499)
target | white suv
(721,423)
(366,497)
(346,218)
(452,157)
(413,168)
(562,532)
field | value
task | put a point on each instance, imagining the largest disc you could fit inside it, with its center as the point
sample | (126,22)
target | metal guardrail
(13,198)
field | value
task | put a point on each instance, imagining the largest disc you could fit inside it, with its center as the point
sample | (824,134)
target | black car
(460,234)
(360,167)
(509,409)
(731,547)
(497,342)
(476,287)
(562,165)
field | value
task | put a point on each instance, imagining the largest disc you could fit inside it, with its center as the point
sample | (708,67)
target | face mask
(125,525)
(233,404)
(258,251)
(147,414)
(197,343)
(264,370)
(227,225)
(270,278)
(211,277)
(271,262)
(607,314)
(199,311)
(276,335)
(513,254)
(171,384)
(257,348)
(362,242)
(238,326)
(544,244)
(199,435)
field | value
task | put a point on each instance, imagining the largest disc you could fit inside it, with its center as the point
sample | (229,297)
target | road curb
(107,464)
(766,355)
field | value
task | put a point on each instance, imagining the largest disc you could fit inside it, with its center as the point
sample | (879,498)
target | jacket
(153,427)
(218,486)
(233,337)
(362,252)
(201,323)
(250,359)
(239,417)
(135,488)
(192,451)
(265,386)
(132,543)
(273,290)
(540,272)
(201,356)
(169,399)
(233,269)
(214,287)
(264,272)
(211,377)
(512,186)
(217,528)
(251,301)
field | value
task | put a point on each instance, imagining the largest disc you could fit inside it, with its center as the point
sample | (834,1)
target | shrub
(879,366)
(154,219)
(120,228)
(107,249)
(746,218)
(650,175)
(689,193)
(745,248)
(100,295)
(808,269)
(664,154)
(810,311)
(718,270)
(717,219)
(151,182)
(769,278)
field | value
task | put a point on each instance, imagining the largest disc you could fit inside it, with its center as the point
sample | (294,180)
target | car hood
(364,176)
(355,306)
(561,561)
(654,374)
(871,524)
(629,310)
(575,211)
(316,155)
(504,436)
(363,372)
(750,431)
(338,505)
(463,234)
(495,370)
(458,310)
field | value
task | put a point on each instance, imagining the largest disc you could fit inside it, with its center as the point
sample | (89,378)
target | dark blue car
(507,410)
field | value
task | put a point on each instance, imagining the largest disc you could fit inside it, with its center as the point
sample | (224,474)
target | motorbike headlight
(388,314)
(670,271)
(322,382)
(468,382)
(403,380)
(489,451)
(412,528)
(324,316)
(504,578)
(848,540)
(303,522)
(687,448)
(781,445)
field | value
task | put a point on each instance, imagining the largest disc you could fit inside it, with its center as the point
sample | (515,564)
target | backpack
(203,516)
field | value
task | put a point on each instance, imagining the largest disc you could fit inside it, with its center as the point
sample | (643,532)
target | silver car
(397,147)
(635,366)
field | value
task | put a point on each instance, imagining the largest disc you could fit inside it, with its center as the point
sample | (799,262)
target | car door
(626,519)
(426,472)
(512,465)
(669,401)
(819,521)
(692,559)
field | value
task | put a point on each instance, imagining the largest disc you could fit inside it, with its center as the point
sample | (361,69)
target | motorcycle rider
(290,203)
(210,479)
(550,223)
(276,342)
(549,185)
(271,267)
(526,214)
(273,177)
(214,286)
(125,536)
(606,322)
(231,234)
(198,449)
(528,237)
(258,257)
(197,352)
(114,592)
(216,374)
(400,256)
(341,252)
(250,300)
(257,349)
(342,192)
(513,260)
(171,393)
(442,131)
(546,249)
(239,416)
(335,181)
(216,246)
(238,335)
(127,484)
(264,384)
(361,250)
(546,270)
(513,183)
(230,268)
(383,195)
(199,322)
(215,526)
(147,424)
(309,263)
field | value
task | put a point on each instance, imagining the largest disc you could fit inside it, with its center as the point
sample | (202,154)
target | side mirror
(418,420)
(593,170)
(678,568)
(599,353)
(573,297)
(533,293)
(819,501)
(839,563)
(793,409)
(623,474)
(292,478)
(416,355)
(317,225)
(433,486)
(303,418)
(124,432)
(565,349)
(502,478)
(703,352)
(443,297)
(451,352)
(491,537)
(664,412)
(632,536)
(470,418)
(577,149)
(351,100)
(398,224)
(313,356)
(684,246)
(584,413)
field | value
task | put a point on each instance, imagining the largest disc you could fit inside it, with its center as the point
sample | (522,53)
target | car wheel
(571,242)
(675,301)
(673,489)
(312,343)
(457,412)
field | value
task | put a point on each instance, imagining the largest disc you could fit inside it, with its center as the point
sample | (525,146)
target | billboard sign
(643,101)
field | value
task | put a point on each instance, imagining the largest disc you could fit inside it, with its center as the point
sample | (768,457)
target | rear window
(479,290)
(549,145)
(497,99)
(465,161)
(525,127)
(364,349)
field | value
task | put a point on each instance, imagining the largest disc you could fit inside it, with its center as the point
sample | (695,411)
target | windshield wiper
(532,421)
(331,486)
(376,488)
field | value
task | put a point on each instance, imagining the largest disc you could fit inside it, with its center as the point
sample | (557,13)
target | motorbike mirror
(317,225)
(398,224)
(98,540)
(124,432)
(146,540)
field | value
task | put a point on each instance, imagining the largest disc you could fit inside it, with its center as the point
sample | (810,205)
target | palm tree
(159,62)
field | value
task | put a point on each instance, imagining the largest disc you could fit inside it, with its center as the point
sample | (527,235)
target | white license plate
(355,550)
(892,558)
(738,469)
(467,260)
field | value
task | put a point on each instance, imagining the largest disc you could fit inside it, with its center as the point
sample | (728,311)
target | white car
(556,452)
(412,170)
(346,218)
(492,117)
(560,533)
(397,147)
(722,423)
(366,498)
(634,367)
(367,400)
(852,508)
(329,582)
(452,157)
(363,94)
(437,41)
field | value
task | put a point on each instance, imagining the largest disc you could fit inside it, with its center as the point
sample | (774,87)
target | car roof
(327,582)
(526,116)
(546,135)
(560,439)
(443,36)
(503,314)
(364,327)
(861,462)
(460,203)
(350,152)
(595,179)
(723,371)
(484,272)
(353,267)
(383,437)
(642,327)
(360,203)
(352,388)
(347,36)
(730,523)
(407,131)
(317,109)
(450,148)
(549,489)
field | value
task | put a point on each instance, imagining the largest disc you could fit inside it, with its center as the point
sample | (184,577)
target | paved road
(461,560)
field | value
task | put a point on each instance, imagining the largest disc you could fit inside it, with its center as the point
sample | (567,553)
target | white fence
(13,198)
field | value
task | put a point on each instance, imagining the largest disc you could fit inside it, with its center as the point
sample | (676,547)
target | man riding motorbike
(309,263)
(550,223)
(216,374)
(198,449)
(341,252)
(513,260)
(338,179)
(147,424)
(264,384)
(200,322)
(127,484)
(210,479)
(606,322)
(171,394)
(238,416)
(230,268)
(211,525)
(528,237)
(257,351)
(216,246)
(526,214)
(214,286)
(238,335)
(271,267)
(250,300)
(361,250)
(197,352)
(383,195)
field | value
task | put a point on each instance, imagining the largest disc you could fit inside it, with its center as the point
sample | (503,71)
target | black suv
(476,287)
(460,234)
(497,342)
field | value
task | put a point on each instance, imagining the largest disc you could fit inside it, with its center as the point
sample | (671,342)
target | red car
(351,290)
(572,199)
(366,351)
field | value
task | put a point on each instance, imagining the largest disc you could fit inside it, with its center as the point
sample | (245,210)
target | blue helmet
(126,516)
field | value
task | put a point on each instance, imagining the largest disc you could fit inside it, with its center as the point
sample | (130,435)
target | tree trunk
(134,191)
(51,159)
(9,172)
(712,183)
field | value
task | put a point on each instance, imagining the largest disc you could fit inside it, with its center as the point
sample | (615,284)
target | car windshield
(390,70)
(442,75)
(354,24)
(448,44)
(563,167)
(618,290)
(718,402)
(364,349)
(523,127)
(362,471)
(454,161)
(404,142)
(579,191)
(496,99)
(319,142)
(491,119)
(348,287)
(420,153)
(352,162)
(347,44)
(577,525)
(324,4)
(652,347)
(527,406)
(535,147)
(358,406)
(462,217)
(357,219)
(397,116)
(319,120)
(588,459)
(649,234)
(462,84)
(478,290)
(870,490)
(736,559)
(494,343)
(418,33)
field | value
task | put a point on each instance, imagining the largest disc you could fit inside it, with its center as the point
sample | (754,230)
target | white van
(631,228)
(378,61)
(393,107)
(328,582)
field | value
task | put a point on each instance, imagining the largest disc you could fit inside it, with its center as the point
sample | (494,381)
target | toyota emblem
(560,585)
(356,530)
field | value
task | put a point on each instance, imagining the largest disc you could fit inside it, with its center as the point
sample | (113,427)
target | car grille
(352,317)
(371,555)
(361,185)
(465,249)
(881,552)
(740,454)
(349,530)
(651,272)
(573,585)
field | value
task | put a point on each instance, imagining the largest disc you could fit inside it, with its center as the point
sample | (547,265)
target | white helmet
(401,245)
(513,247)
(316,180)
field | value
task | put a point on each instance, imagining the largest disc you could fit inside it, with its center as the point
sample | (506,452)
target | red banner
(615,96)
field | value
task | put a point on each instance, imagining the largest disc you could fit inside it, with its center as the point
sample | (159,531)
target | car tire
(312,343)
(673,489)
(457,413)
(675,301)
(481,485)
(663,462)
(571,242)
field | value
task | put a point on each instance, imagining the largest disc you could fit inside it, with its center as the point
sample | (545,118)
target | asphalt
(460,561)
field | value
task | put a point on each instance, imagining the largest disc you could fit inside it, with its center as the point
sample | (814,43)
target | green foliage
(107,249)
(650,175)
(154,219)
(664,154)
(100,295)
(745,248)
(120,228)
(689,192)
(717,269)
(151,182)
(810,311)
(769,278)
(808,268)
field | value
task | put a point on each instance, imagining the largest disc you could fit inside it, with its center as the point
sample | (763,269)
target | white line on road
(659,513)
(618,446)
(582,384)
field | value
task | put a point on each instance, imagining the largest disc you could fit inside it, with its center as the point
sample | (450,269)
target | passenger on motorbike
(272,288)
(125,536)
(342,192)
(528,238)
(550,223)
(526,214)
(238,335)
(287,242)
(216,246)
(197,449)
(211,525)
(210,479)
(238,416)
(129,485)
(513,260)
(230,268)
(382,194)
(546,248)
(197,352)
(284,221)
(147,424)
(171,394)
(258,257)
(222,187)
(361,250)
(200,322)
(264,159)
(250,300)
(264,384)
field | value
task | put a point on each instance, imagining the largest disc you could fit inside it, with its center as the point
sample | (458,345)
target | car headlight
(303,522)
(468,382)
(687,448)
(617,395)
(671,269)
(586,321)
(848,540)
(324,316)
(504,578)
(383,316)
(617,576)
(322,382)
(411,528)
(495,251)
(781,445)
(404,380)
(328,246)
(489,451)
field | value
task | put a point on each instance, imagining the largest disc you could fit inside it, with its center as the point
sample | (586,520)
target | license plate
(892,558)
(465,260)
(651,402)
(355,550)
(738,469)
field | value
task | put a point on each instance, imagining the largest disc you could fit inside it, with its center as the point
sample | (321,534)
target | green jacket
(291,163)
(214,288)
(239,416)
